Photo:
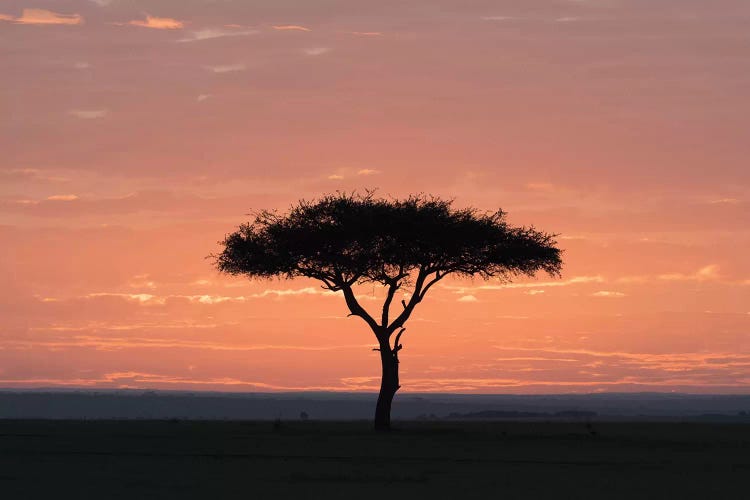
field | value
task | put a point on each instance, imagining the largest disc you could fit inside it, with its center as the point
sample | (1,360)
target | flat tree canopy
(347,239)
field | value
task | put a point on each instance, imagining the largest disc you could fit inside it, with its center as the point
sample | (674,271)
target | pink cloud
(608,293)
(62,197)
(707,273)
(42,16)
(291,27)
(160,23)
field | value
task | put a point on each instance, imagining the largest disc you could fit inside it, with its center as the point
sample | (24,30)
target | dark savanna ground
(196,459)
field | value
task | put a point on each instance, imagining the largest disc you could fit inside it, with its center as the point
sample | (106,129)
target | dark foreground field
(189,459)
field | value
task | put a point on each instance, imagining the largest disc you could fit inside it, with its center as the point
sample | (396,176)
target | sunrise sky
(136,134)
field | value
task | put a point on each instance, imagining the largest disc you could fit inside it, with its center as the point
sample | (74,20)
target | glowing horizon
(152,129)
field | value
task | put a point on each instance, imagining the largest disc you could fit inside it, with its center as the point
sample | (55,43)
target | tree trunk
(388,387)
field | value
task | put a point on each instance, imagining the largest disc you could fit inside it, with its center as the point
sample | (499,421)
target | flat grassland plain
(138,459)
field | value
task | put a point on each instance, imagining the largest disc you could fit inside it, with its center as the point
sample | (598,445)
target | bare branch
(396,346)
(409,307)
(437,278)
(358,310)
(394,286)
(329,284)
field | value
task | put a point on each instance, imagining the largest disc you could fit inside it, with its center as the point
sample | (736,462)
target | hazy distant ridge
(131,404)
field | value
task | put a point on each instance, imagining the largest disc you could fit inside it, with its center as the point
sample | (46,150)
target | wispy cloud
(24,202)
(545,187)
(42,16)
(498,18)
(151,299)
(142,298)
(670,362)
(202,97)
(30,174)
(607,293)
(116,343)
(368,171)
(294,291)
(291,27)
(467,298)
(6,17)
(725,201)
(124,327)
(572,281)
(348,172)
(316,51)
(149,380)
(227,68)
(160,23)
(212,33)
(88,114)
(578,280)
(141,281)
(357,381)
(366,33)
(707,273)
(63,197)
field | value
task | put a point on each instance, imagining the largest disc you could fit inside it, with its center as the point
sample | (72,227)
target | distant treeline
(492,414)
(150,404)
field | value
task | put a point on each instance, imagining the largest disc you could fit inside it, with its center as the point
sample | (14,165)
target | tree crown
(343,239)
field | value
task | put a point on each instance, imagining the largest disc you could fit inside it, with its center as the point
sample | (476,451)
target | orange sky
(135,134)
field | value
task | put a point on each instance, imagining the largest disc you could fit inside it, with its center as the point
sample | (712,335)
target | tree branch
(396,346)
(437,278)
(329,284)
(408,307)
(356,309)
(394,286)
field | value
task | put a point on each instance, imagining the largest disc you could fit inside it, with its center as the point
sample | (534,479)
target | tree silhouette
(344,240)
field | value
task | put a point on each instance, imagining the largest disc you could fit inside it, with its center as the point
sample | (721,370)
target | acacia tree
(344,240)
